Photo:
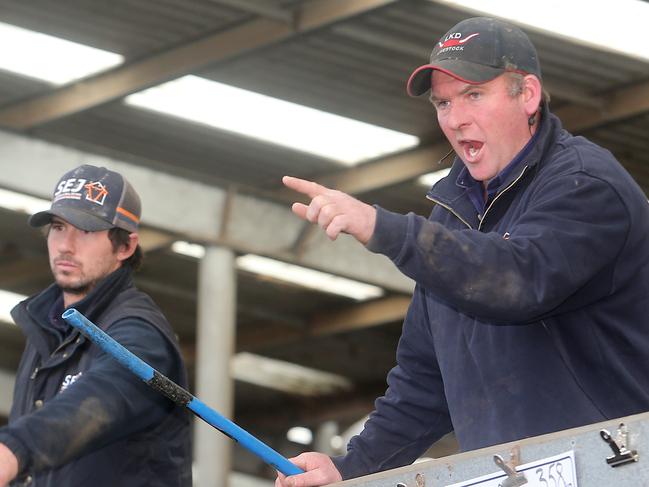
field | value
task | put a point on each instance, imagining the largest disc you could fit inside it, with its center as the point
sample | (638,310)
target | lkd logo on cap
(96,192)
(455,39)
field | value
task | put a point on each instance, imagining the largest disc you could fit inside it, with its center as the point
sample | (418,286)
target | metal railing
(613,453)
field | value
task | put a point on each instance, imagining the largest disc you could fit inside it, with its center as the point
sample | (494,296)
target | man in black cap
(79,418)
(532,272)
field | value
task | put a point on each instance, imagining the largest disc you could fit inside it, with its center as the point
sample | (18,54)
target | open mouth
(471,149)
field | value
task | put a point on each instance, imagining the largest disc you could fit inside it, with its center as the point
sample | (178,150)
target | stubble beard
(81,281)
(79,288)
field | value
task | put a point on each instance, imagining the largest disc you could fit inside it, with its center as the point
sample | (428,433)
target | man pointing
(532,271)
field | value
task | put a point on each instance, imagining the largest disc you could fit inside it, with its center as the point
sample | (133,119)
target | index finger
(303,186)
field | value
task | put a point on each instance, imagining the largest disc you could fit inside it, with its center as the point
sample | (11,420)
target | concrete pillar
(323,436)
(7,379)
(215,335)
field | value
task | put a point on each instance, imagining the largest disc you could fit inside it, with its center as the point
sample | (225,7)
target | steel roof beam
(356,317)
(260,8)
(129,78)
(177,206)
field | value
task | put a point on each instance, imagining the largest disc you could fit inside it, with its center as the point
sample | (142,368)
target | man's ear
(532,94)
(126,250)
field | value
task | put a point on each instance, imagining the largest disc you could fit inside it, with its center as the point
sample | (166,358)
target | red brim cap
(420,80)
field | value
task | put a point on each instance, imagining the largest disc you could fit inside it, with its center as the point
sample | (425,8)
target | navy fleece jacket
(529,319)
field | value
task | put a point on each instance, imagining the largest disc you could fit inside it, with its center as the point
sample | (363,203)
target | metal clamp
(514,478)
(621,455)
(420,480)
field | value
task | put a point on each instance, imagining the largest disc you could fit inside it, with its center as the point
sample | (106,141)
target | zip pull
(33,376)
(500,194)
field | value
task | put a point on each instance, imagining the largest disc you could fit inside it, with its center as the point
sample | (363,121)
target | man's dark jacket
(78,417)
(529,319)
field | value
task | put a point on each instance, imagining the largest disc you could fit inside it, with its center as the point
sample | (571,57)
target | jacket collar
(31,315)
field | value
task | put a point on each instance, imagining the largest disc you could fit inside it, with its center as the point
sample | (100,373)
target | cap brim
(79,219)
(420,80)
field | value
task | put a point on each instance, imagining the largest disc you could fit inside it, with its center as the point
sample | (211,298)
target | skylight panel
(431,178)
(282,271)
(309,278)
(48,58)
(23,203)
(619,27)
(285,376)
(272,120)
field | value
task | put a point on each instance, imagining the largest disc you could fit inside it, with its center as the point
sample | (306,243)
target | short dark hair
(120,237)
(516,81)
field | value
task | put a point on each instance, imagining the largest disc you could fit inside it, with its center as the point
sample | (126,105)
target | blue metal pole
(177,394)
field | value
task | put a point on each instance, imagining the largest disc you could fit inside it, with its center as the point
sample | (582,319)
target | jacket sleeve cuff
(19,449)
(389,234)
(349,466)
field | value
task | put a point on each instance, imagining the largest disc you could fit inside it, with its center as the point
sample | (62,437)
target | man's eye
(474,95)
(440,105)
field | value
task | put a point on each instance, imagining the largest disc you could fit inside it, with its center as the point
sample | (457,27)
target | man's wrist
(370,225)
(390,230)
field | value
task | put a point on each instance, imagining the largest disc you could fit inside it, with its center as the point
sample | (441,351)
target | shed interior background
(216,188)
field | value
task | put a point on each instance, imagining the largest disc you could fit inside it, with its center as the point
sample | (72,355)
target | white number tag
(557,471)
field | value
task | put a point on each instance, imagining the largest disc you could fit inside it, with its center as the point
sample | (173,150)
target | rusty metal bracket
(514,478)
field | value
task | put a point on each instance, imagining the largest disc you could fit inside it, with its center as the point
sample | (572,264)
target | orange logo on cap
(96,192)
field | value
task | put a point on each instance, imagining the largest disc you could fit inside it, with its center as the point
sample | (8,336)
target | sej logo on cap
(73,189)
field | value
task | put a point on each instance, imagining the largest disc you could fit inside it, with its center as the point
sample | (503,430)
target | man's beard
(78,289)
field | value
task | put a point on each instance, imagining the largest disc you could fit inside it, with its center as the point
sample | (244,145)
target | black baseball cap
(93,199)
(475,51)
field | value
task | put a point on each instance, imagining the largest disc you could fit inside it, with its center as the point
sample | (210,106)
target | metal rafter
(618,105)
(129,78)
(356,317)
(260,8)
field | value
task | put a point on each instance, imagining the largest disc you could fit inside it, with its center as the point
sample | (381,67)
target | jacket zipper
(448,208)
(499,195)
